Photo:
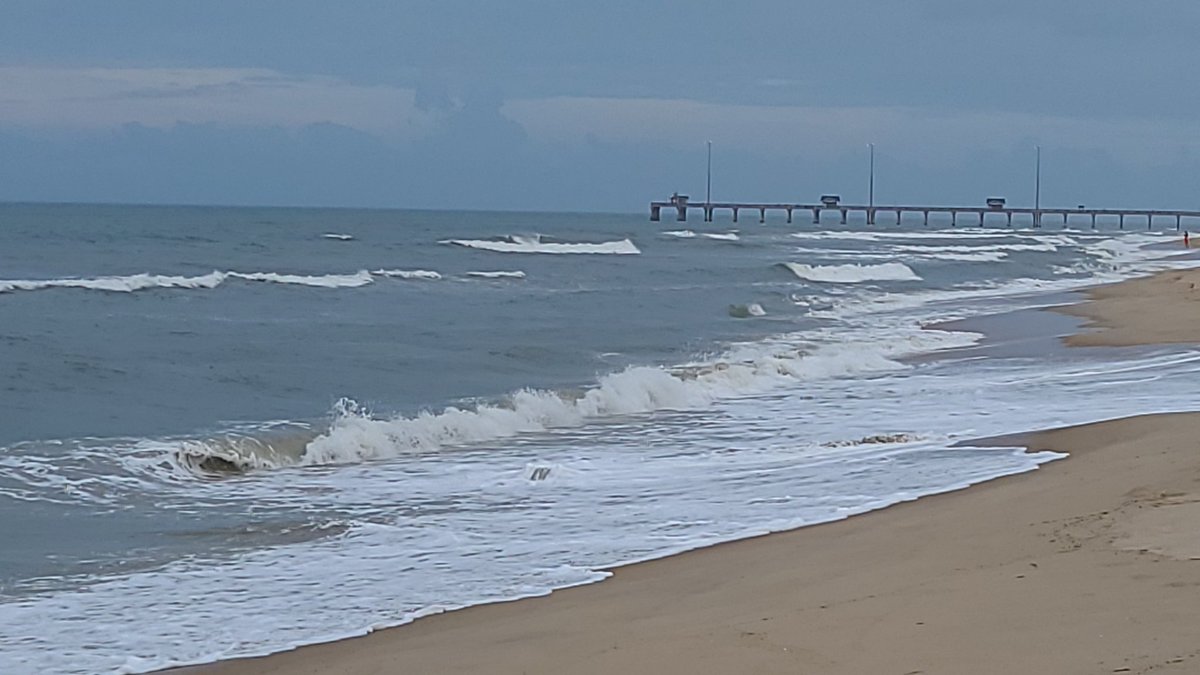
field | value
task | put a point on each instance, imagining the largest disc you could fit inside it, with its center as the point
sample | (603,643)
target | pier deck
(681,206)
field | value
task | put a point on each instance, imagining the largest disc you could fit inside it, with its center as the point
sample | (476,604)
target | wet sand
(1087,565)
(1160,309)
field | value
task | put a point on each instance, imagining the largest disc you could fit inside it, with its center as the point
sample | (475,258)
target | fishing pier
(995,209)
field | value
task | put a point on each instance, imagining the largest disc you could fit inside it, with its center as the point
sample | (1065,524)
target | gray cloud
(398,102)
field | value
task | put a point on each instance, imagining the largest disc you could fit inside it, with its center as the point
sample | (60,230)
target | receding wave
(535,244)
(853,273)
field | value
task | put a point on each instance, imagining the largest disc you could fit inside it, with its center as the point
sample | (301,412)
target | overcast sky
(556,104)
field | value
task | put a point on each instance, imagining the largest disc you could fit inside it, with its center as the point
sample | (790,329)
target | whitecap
(852,273)
(356,436)
(427,275)
(139,282)
(515,274)
(534,244)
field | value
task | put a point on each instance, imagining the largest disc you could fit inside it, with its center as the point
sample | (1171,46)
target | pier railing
(974,213)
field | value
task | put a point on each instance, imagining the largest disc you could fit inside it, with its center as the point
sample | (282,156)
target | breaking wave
(355,435)
(852,273)
(516,274)
(535,244)
(338,236)
(427,275)
(691,234)
(139,282)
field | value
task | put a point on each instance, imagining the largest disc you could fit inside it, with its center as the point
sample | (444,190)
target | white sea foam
(982,255)
(360,278)
(515,274)
(144,281)
(749,369)
(338,236)
(754,466)
(426,275)
(884,235)
(852,274)
(691,234)
(535,244)
(1046,247)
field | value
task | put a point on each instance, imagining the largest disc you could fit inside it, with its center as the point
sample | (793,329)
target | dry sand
(1087,565)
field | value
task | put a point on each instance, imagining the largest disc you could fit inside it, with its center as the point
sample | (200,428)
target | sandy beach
(1088,565)
(1159,309)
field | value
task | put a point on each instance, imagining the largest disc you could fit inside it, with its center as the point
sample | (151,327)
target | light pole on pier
(708,184)
(1037,189)
(871,188)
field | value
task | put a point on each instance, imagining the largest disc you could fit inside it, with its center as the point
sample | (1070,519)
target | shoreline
(1019,573)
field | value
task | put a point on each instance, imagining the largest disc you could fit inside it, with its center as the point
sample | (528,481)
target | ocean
(231,431)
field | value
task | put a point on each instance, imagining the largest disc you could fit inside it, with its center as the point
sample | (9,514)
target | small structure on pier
(995,202)
(830,201)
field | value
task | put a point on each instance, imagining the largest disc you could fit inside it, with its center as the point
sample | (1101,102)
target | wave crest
(535,244)
(428,275)
(515,274)
(144,281)
(853,273)
(355,436)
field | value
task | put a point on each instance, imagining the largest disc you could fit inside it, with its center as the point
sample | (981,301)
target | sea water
(227,432)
